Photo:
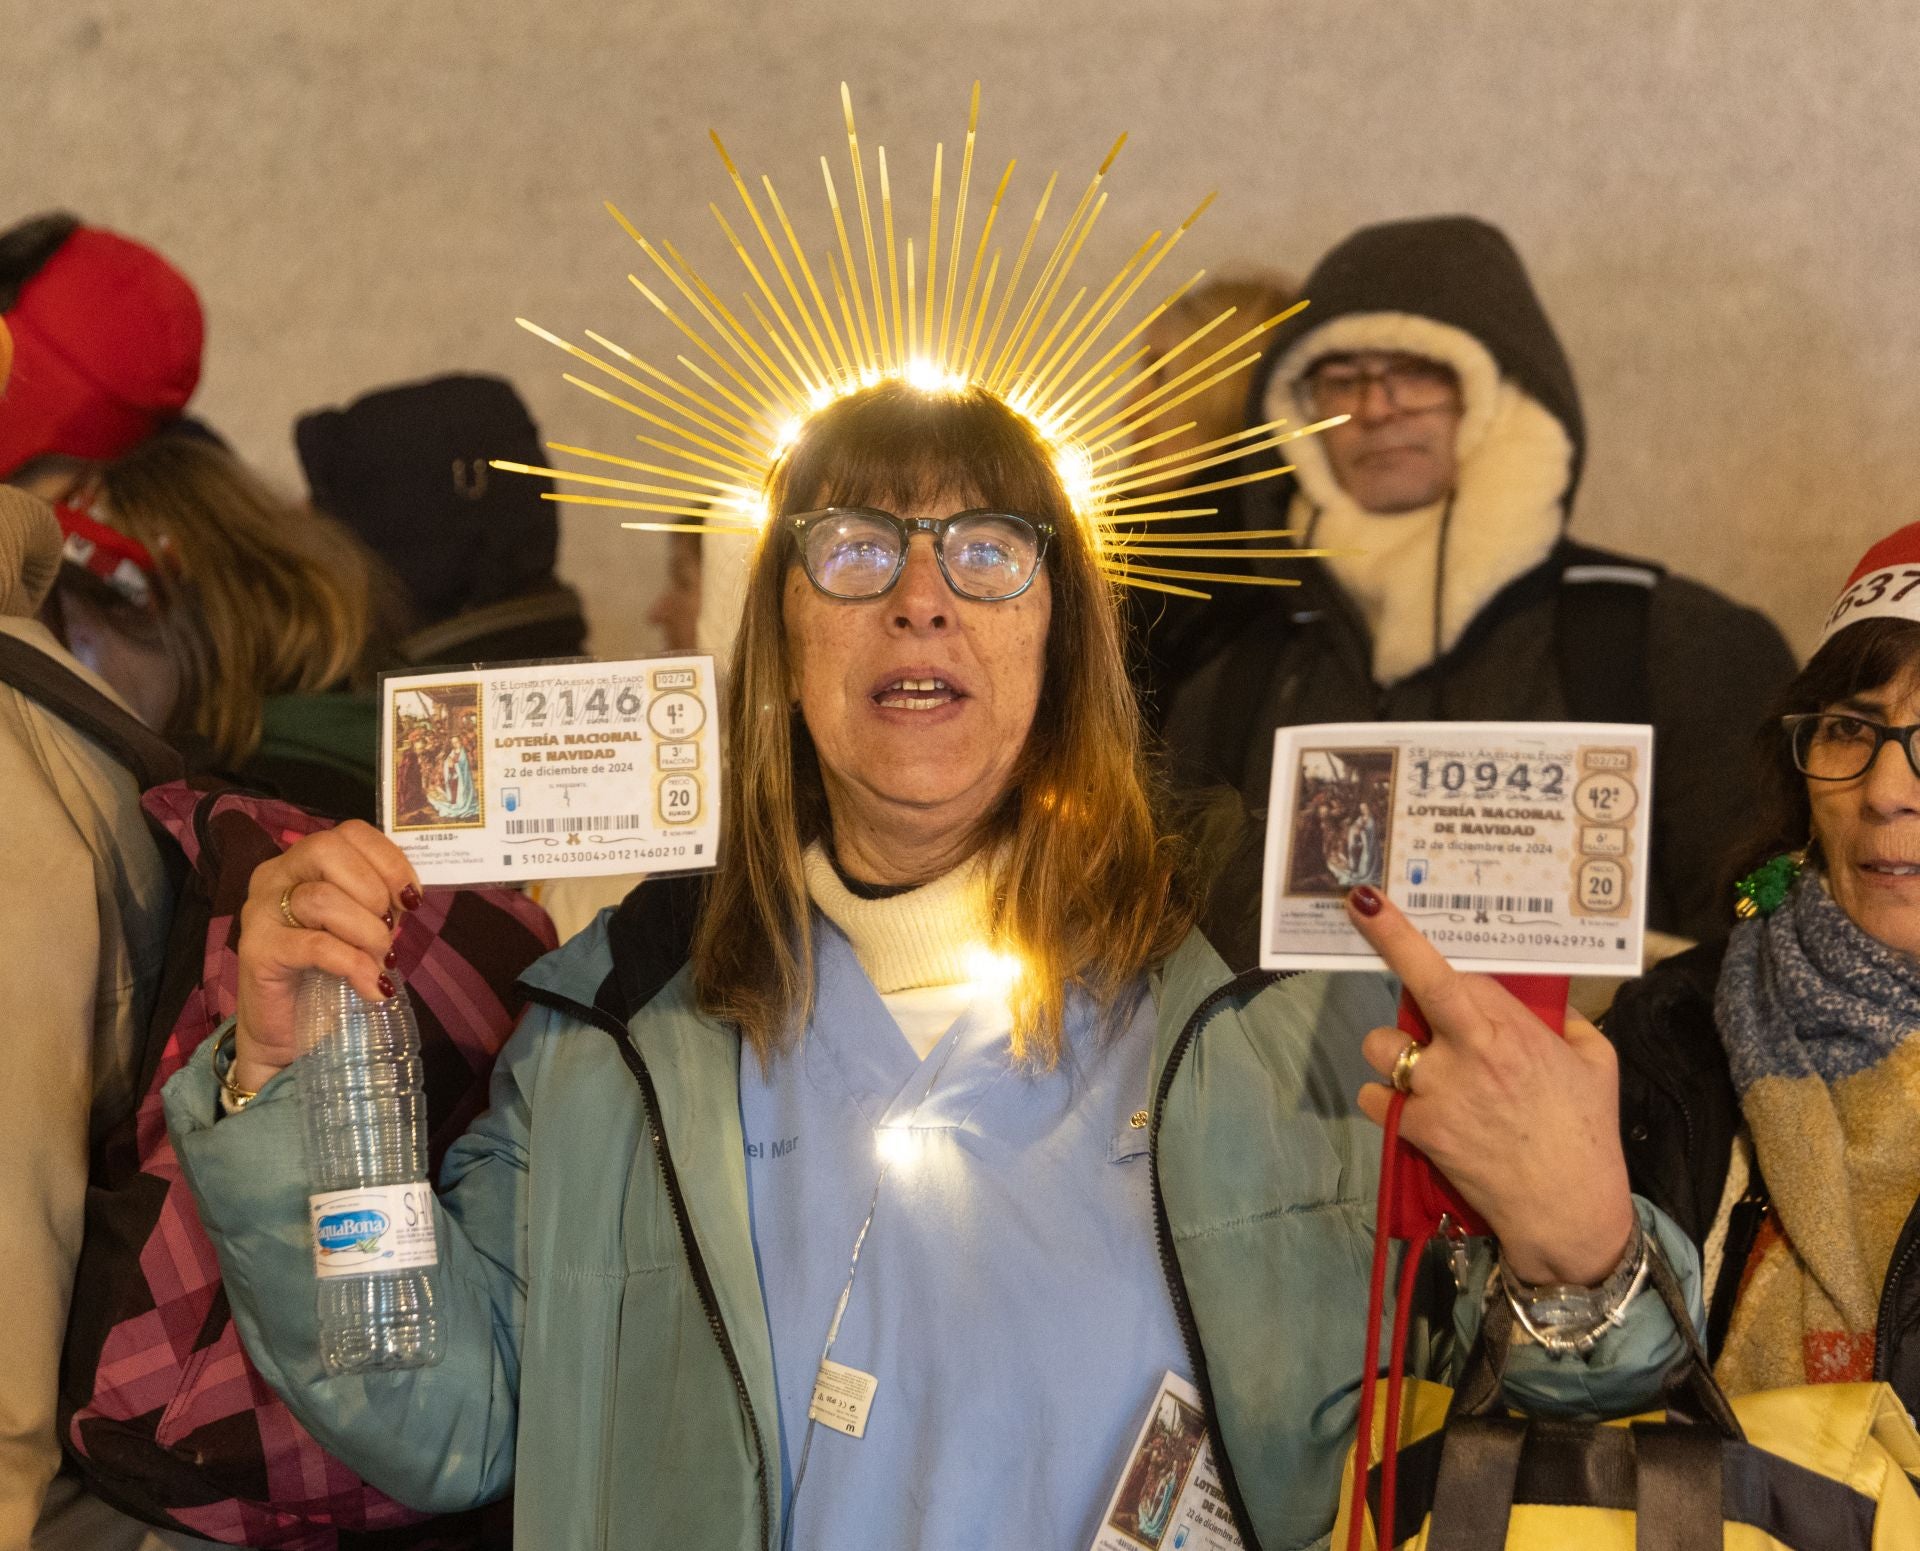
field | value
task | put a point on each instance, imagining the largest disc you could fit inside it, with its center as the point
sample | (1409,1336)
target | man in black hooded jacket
(1457,594)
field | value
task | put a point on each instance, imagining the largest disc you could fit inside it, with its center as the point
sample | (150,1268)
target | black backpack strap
(1600,635)
(151,759)
(651,936)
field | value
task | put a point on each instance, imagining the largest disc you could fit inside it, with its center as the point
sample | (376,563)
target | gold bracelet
(238,1098)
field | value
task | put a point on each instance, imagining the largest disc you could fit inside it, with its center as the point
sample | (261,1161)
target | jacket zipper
(1905,1251)
(696,1263)
(1250,981)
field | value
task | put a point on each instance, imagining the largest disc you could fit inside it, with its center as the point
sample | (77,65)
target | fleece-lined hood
(1453,270)
(1453,289)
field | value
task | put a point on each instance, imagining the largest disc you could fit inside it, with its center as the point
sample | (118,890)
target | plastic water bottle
(370,1205)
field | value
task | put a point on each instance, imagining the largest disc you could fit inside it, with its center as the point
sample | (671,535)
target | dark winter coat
(1678,1118)
(1709,672)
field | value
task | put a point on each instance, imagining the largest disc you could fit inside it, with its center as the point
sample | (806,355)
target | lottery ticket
(552,770)
(1169,1497)
(1517,847)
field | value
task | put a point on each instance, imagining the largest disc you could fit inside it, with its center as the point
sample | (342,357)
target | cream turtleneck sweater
(914,946)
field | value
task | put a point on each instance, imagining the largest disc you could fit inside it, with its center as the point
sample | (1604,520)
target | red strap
(1390,1156)
(1414,1198)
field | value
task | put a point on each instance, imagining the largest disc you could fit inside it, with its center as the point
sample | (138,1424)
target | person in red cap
(1770,1084)
(107,338)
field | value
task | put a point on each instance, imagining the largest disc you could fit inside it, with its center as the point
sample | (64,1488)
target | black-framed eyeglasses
(1412,385)
(856,553)
(1837,746)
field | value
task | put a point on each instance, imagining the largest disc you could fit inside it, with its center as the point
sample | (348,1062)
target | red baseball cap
(106,348)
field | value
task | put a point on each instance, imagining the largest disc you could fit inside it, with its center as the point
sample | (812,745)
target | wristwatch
(1565,1318)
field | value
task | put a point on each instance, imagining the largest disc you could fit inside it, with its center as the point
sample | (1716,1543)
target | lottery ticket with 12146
(1517,847)
(552,770)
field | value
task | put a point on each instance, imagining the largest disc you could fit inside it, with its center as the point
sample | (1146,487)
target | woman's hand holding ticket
(1523,1122)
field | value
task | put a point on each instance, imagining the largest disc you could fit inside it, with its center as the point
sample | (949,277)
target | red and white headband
(124,564)
(1884,585)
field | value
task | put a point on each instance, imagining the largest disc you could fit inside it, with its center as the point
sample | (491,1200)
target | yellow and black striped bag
(1827,1467)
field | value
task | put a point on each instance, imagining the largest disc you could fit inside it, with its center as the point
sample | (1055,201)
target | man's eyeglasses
(1412,384)
(858,552)
(1833,746)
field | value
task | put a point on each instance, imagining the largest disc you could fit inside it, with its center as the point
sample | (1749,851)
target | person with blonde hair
(240,617)
(951,1114)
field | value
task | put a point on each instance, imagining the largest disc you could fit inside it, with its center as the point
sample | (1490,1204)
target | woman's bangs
(895,447)
(1865,656)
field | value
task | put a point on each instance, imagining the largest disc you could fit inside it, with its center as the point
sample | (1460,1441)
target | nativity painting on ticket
(1342,812)
(435,780)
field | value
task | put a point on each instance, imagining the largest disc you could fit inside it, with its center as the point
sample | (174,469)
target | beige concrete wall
(1717,198)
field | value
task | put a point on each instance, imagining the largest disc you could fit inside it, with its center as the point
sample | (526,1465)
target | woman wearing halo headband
(953,1107)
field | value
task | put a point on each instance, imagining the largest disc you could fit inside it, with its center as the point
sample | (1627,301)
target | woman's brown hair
(1085,885)
(1861,658)
(258,595)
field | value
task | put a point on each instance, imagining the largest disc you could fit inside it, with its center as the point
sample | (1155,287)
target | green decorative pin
(1765,889)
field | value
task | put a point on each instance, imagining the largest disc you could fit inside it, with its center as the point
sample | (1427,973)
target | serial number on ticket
(1517,847)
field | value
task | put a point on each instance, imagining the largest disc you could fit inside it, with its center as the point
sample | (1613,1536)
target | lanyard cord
(1439,669)
(853,1270)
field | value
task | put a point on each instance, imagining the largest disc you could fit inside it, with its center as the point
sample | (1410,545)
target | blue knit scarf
(1806,993)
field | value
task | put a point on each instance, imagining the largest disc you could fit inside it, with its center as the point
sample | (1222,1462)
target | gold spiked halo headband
(1098,395)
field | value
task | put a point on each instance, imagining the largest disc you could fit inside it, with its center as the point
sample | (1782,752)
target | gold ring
(286,909)
(1404,1064)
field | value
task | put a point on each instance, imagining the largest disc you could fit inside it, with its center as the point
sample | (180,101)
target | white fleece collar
(1514,457)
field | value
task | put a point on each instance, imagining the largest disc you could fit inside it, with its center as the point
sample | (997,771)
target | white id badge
(1517,847)
(552,770)
(1169,1492)
(842,1397)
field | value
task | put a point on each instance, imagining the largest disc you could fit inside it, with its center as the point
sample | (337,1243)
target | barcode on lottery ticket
(569,826)
(1520,904)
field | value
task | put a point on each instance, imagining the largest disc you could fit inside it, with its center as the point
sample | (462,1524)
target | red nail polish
(388,918)
(392,961)
(387,988)
(410,897)
(1366,899)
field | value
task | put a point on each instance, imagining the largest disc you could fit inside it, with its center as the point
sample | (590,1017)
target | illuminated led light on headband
(757,372)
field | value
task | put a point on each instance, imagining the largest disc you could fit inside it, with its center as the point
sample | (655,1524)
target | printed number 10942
(1488,778)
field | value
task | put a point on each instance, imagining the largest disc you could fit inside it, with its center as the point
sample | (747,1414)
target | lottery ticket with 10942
(552,770)
(1517,847)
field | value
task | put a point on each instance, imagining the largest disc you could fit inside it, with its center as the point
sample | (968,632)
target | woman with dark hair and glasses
(1770,1084)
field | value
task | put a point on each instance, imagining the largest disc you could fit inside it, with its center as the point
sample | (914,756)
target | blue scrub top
(1009,1297)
